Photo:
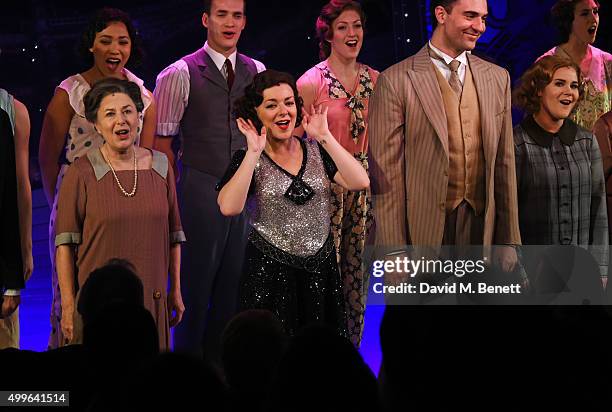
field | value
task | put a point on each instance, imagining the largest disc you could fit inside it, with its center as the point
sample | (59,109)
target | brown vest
(466,172)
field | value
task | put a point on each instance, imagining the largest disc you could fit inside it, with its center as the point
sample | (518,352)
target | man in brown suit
(441,145)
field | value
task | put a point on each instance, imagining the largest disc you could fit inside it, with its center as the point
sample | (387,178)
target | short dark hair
(98,22)
(114,282)
(537,77)
(208,6)
(245,107)
(252,345)
(107,86)
(563,16)
(448,6)
(329,13)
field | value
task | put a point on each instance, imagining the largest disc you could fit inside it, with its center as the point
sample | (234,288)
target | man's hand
(9,305)
(505,257)
(397,277)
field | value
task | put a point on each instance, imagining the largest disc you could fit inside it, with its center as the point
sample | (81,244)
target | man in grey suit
(194,99)
(442,154)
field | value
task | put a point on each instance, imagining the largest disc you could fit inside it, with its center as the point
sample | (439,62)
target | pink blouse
(347,109)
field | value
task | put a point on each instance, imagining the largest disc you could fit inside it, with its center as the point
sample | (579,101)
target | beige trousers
(9,331)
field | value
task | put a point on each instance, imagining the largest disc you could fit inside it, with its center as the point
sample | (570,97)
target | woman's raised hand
(315,122)
(256,142)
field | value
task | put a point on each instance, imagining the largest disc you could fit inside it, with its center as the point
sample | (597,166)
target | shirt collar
(218,58)
(567,133)
(462,58)
(100,167)
(132,77)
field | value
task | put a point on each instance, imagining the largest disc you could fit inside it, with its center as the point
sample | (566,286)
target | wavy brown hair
(329,13)
(537,77)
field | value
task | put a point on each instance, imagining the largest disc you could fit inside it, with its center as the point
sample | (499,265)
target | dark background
(38,38)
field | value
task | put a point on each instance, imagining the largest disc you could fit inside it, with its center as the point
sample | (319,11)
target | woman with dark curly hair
(561,192)
(290,263)
(107,44)
(578,21)
(343,86)
(119,202)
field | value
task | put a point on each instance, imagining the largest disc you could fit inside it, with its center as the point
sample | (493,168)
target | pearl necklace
(133,192)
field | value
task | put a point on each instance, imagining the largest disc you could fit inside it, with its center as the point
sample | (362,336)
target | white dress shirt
(444,69)
(219,59)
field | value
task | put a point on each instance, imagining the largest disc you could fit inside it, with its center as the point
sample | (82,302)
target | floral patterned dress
(351,214)
(597,88)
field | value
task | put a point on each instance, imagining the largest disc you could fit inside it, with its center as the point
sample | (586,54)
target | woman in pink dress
(343,86)
(578,22)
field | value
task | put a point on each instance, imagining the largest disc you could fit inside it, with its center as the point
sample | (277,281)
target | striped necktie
(454,81)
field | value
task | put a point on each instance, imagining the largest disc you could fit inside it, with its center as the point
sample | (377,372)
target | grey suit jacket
(409,157)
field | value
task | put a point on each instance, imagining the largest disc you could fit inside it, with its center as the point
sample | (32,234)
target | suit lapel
(426,85)
(483,82)
(210,71)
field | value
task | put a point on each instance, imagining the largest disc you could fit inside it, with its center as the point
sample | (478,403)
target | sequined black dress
(290,260)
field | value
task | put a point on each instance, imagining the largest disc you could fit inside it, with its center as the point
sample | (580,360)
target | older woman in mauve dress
(119,201)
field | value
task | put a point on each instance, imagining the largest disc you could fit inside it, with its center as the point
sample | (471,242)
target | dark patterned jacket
(561,188)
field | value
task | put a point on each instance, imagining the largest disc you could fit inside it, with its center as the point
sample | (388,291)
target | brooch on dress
(299,192)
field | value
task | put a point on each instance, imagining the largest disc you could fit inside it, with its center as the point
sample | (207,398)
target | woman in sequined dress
(578,21)
(284,181)
(344,86)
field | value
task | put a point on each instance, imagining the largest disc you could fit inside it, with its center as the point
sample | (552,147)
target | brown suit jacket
(409,153)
